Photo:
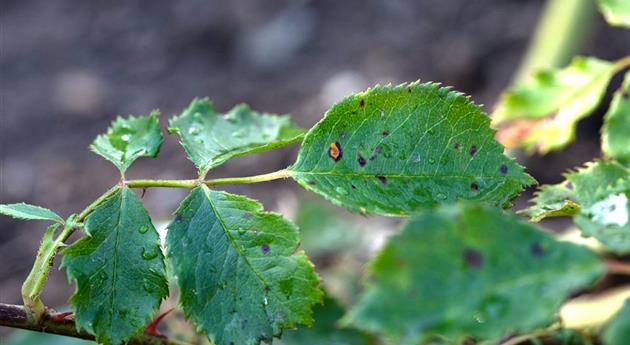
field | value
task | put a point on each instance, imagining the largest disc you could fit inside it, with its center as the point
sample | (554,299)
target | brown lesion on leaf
(473,258)
(335,152)
(361,160)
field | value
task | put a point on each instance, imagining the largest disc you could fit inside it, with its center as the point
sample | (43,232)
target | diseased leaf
(617,330)
(128,139)
(326,329)
(598,200)
(553,201)
(469,271)
(602,189)
(616,130)
(29,212)
(119,270)
(616,12)
(210,139)
(391,150)
(542,113)
(240,277)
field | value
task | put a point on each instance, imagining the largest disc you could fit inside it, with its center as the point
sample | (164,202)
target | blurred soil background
(67,68)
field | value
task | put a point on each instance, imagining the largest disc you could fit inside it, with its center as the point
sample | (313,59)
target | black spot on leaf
(473,150)
(503,169)
(373,157)
(457,146)
(247,215)
(473,258)
(624,94)
(362,103)
(569,185)
(536,249)
(361,160)
(382,178)
(474,187)
(178,218)
(385,133)
(311,182)
(353,186)
(335,152)
(265,248)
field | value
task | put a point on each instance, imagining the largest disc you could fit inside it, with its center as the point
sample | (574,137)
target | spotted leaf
(616,130)
(240,277)
(469,271)
(128,139)
(391,150)
(542,113)
(597,196)
(119,270)
(210,138)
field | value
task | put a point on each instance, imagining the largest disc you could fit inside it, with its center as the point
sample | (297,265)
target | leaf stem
(214,182)
(16,317)
(622,63)
(34,282)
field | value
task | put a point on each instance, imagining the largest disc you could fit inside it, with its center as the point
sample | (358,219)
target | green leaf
(616,130)
(29,212)
(326,329)
(241,277)
(542,113)
(616,12)
(128,139)
(470,271)
(553,201)
(598,200)
(602,189)
(211,139)
(391,150)
(617,330)
(119,270)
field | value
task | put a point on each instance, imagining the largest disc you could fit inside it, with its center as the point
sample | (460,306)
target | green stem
(34,282)
(215,182)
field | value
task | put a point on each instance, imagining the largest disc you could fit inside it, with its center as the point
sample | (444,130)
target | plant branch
(214,182)
(15,316)
(618,267)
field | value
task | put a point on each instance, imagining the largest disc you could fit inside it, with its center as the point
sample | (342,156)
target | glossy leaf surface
(391,150)
(129,139)
(241,277)
(118,268)
(29,212)
(210,138)
(469,271)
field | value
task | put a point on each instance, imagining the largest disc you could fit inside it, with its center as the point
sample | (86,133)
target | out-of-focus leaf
(617,331)
(37,338)
(598,200)
(470,271)
(616,130)
(616,12)
(542,113)
(29,212)
(240,277)
(128,139)
(326,329)
(553,201)
(323,231)
(391,150)
(210,139)
(119,270)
